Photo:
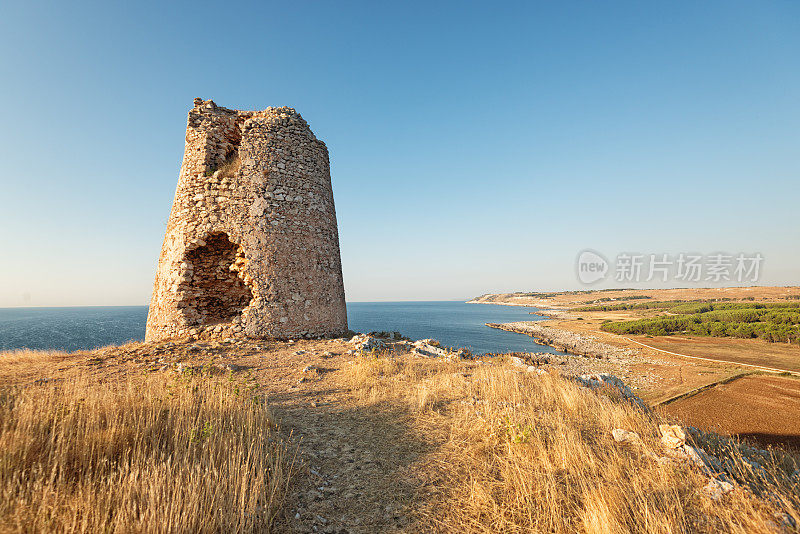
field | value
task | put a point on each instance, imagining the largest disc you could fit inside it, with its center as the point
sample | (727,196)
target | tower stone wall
(251,245)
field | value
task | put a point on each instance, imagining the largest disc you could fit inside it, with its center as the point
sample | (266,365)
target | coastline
(564,340)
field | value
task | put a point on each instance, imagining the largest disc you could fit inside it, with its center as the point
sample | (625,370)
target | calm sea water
(453,323)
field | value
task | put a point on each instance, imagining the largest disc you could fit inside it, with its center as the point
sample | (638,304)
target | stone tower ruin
(251,246)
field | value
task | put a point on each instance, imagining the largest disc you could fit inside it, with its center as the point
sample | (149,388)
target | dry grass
(23,363)
(231,166)
(421,384)
(26,357)
(505,451)
(146,454)
(528,453)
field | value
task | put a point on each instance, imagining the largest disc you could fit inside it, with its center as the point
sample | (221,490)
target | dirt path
(356,460)
(355,464)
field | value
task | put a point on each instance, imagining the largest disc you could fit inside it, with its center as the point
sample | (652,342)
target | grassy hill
(254,437)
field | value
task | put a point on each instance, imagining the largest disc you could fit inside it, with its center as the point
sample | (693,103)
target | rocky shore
(583,354)
(564,340)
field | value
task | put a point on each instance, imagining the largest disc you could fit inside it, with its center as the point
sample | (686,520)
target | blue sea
(455,324)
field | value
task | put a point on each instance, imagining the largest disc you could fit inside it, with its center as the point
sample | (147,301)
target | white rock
(258,207)
(672,436)
(518,362)
(366,343)
(699,458)
(715,489)
(626,436)
(599,380)
(426,348)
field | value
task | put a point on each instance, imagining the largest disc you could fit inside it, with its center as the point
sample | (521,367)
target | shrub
(775,322)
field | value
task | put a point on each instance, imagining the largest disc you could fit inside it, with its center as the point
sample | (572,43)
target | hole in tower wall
(229,166)
(226,157)
(217,292)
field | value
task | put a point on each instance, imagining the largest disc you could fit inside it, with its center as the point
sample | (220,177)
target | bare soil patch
(763,408)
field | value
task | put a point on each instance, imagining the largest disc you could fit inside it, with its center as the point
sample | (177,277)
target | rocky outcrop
(521,364)
(724,473)
(603,380)
(426,348)
(365,343)
(564,340)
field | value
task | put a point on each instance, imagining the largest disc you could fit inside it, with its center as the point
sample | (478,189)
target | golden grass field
(306,435)
(150,453)
(532,454)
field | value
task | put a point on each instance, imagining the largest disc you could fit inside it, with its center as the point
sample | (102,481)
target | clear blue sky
(475,147)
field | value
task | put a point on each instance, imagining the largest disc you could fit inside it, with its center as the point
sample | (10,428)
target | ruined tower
(251,246)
